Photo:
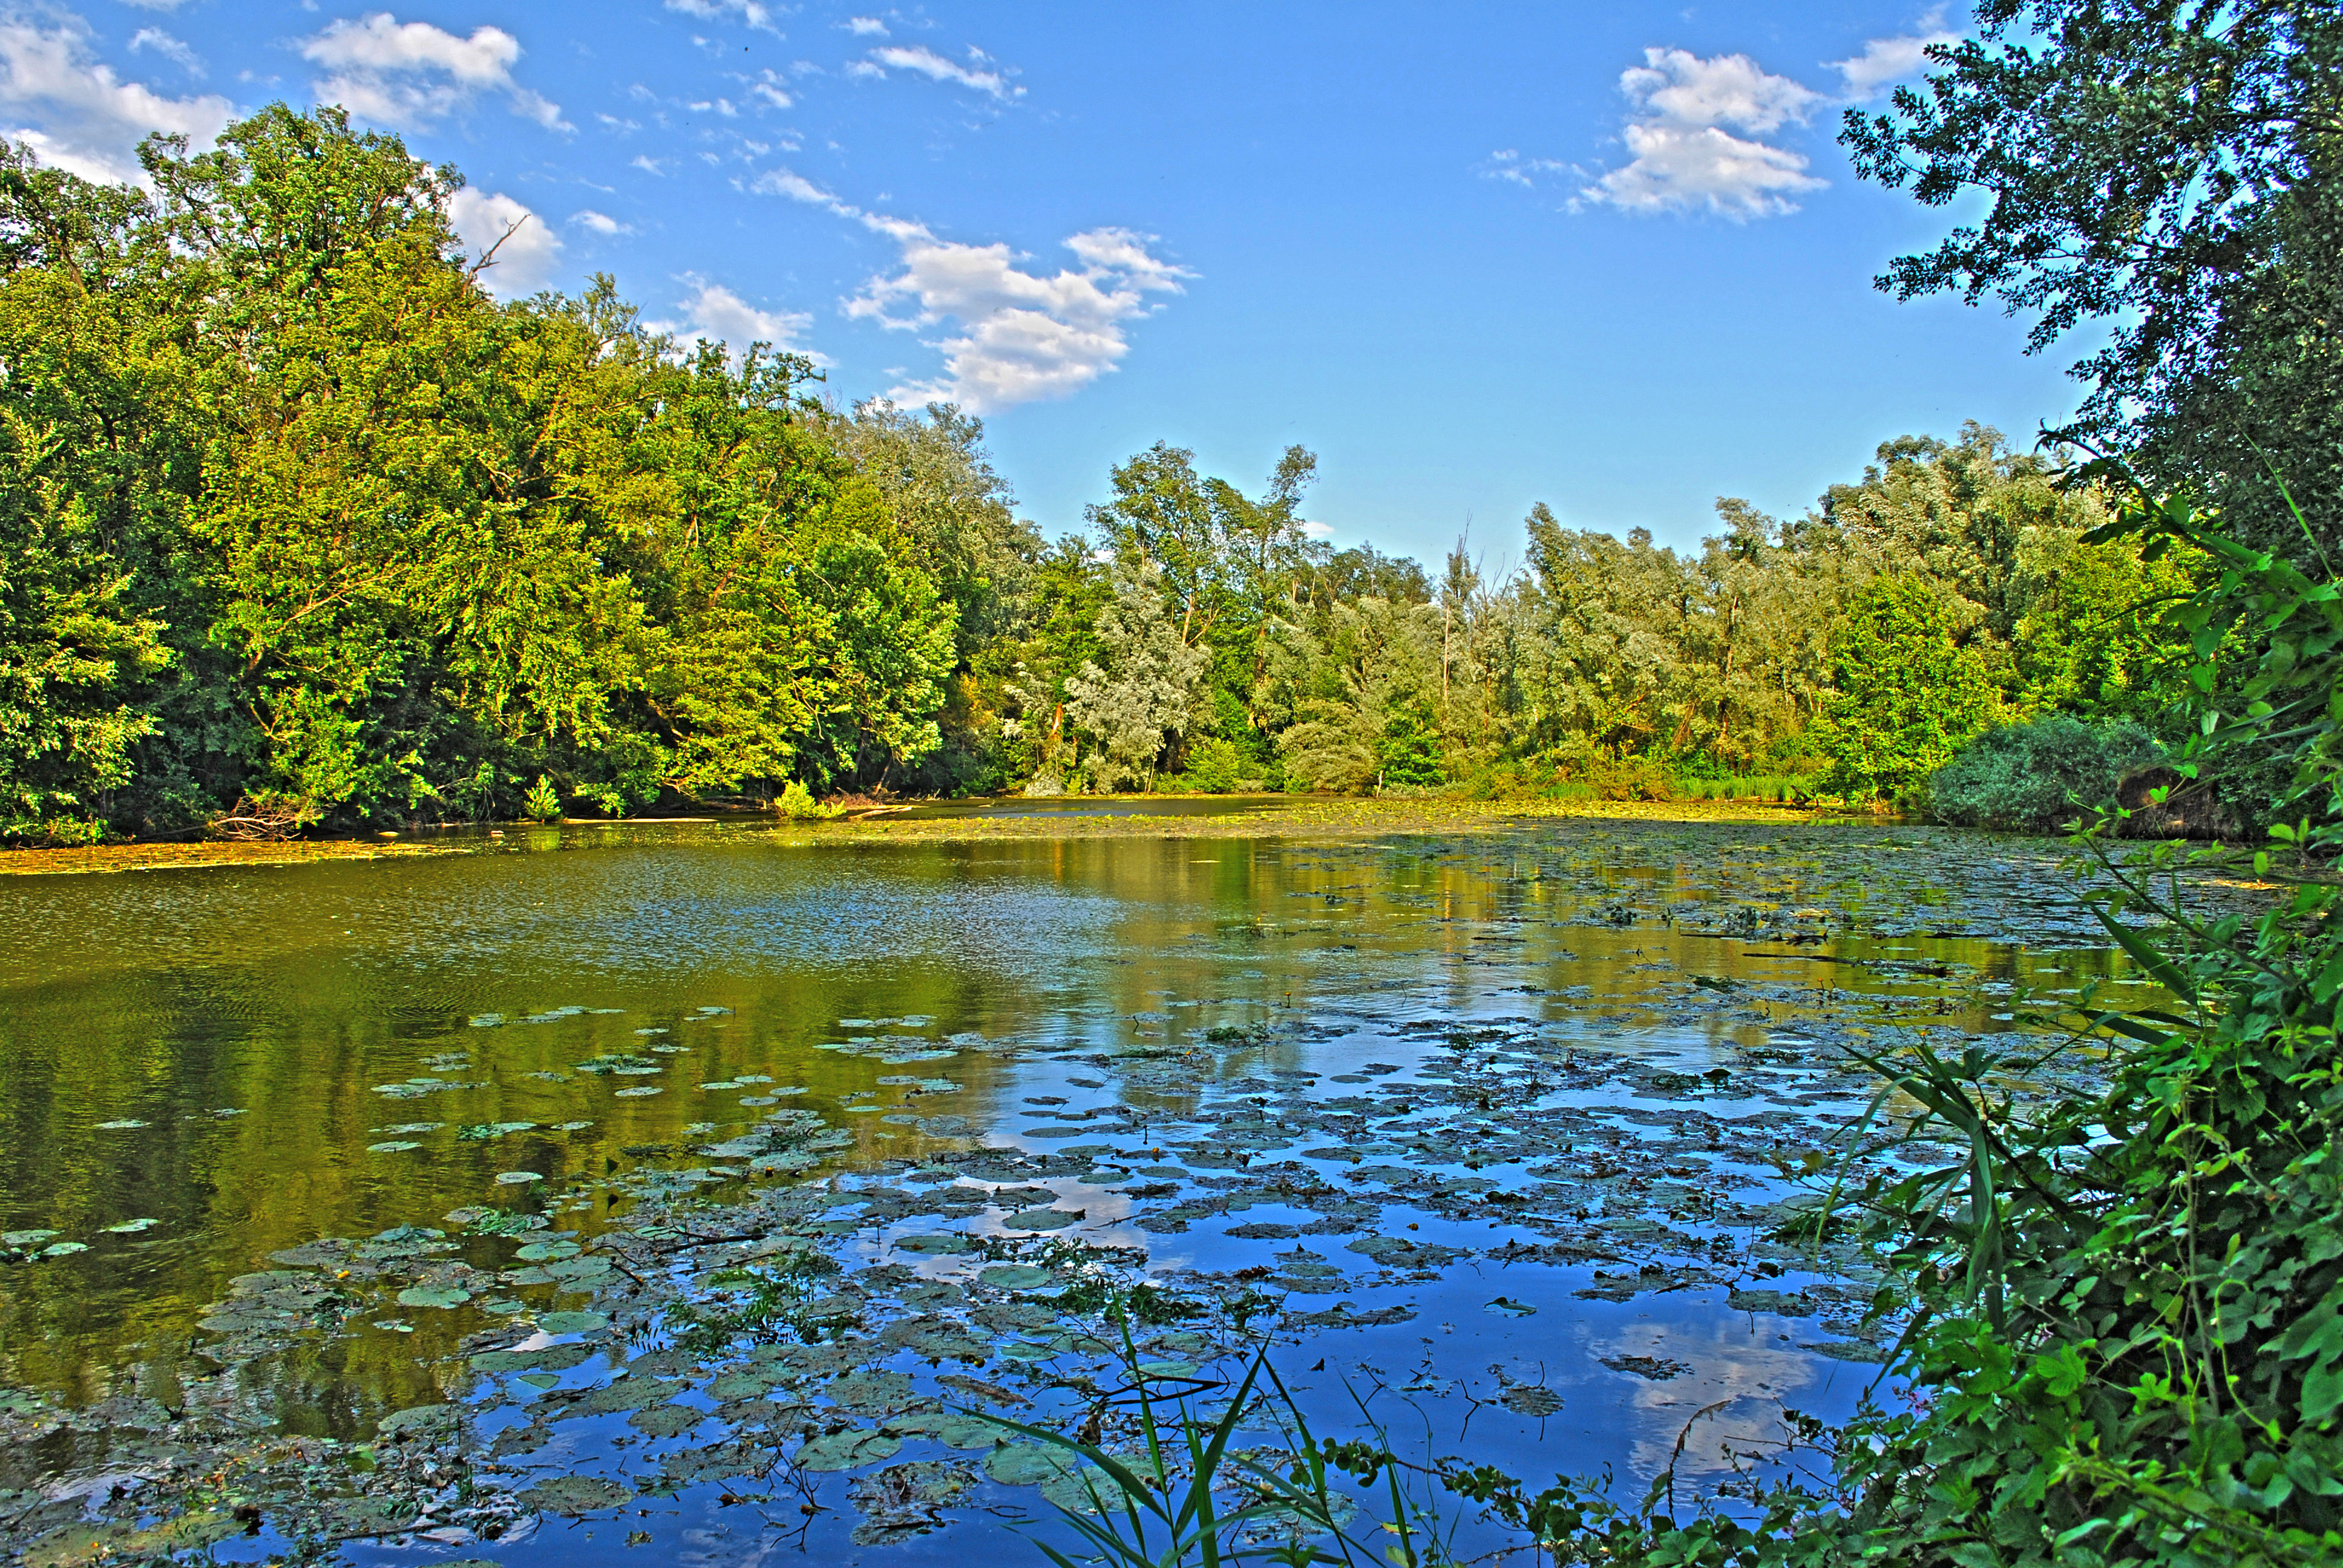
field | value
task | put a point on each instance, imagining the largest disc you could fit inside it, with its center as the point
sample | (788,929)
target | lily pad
(1027,1465)
(433,1296)
(576,1494)
(132,1227)
(1015,1277)
(392,1146)
(1506,1306)
(942,1244)
(642,1094)
(572,1323)
(517,1178)
(1042,1219)
(848,1449)
(122,1125)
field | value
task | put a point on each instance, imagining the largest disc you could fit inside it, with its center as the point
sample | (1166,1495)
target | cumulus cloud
(77,114)
(1884,61)
(410,74)
(1008,335)
(1682,160)
(170,49)
(935,67)
(865,26)
(713,312)
(751,11)
(518,248)
(601,223)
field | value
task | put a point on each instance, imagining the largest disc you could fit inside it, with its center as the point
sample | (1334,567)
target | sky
(1474,256)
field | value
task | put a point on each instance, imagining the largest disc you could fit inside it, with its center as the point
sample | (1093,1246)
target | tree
(1142,699)
(1908,693)
(2169,170)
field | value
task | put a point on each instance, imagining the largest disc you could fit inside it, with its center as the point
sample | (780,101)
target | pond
(696,1191)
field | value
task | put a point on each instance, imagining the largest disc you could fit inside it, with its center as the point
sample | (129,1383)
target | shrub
(797,804)
(2038,775)
(543,802)
(1215,767)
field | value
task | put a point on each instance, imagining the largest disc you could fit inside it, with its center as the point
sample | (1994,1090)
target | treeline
(303,527)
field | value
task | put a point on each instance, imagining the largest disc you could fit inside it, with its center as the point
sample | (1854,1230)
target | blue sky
(1472,256)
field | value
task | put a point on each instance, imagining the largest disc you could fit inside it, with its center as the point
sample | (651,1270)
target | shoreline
(1315,816)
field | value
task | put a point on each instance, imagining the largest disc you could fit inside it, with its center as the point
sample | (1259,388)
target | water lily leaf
(63,1249)
(392,1146)
(666,1420)
(1042,1219)
(968,1431)
(1026,1464)
(576,1494)
(943,1244)
(124,1124)
(547,1251)
(433,1296)
(1015,1277)
(517,1178)
(1506,1306)
(487,1019)
(572,1323)
(848,1449)
(644,1093)
(132,1227)
(540,1379)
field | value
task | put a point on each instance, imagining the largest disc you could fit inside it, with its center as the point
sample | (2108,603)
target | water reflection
(252,1057)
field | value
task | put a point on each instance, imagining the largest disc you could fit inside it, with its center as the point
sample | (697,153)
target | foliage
(2038,775)
(543,802)
(797,804)
(1909,690)
(2170,171)
(303,528)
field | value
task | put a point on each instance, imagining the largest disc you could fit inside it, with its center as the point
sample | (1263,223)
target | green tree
(1908,693)
(2168,171)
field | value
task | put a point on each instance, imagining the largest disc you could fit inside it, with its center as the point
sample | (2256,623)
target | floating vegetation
(1488,1089)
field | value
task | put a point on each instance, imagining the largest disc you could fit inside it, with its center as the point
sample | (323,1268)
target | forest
(303,528)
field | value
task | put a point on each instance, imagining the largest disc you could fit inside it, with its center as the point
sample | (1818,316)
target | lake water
(624,1168)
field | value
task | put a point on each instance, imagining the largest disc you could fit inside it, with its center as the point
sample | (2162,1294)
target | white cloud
(715,312)
(865,26)
(1681,158)
(601,223)
(156,4)
(752,12)
(170,49)
(1317,530)
(1011,335)
(519,247)
(935,67)
(410,74)
(1887,60)
(77,114)
(649,164)
(770,87)
(1508,165)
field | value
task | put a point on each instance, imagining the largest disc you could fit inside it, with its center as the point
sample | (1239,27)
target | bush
(2038,775)
(1215,767)
(797,804)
